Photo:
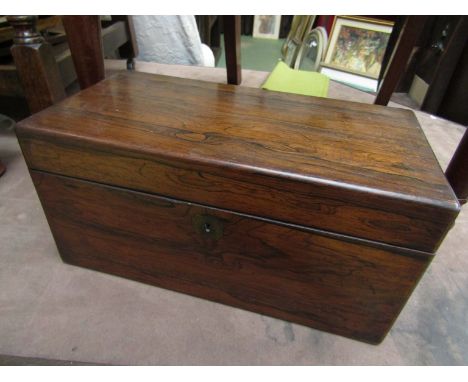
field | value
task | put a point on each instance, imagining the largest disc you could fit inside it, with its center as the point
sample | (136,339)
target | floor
(50,310)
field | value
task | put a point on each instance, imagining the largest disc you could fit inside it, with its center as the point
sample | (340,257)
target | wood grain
(355,169)
(43,23)
(345,288)
(35,64)
(85,42)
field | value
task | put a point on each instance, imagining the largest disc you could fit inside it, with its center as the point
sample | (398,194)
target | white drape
(169,40)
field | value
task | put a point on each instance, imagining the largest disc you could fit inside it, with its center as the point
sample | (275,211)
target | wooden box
(321,212)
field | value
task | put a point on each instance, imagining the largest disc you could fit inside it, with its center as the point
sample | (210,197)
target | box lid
(354,169)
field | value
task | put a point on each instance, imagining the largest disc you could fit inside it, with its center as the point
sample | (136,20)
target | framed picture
(291,53)
(267,26)
(364,83)
(357,45)
(300,27)
(312,50)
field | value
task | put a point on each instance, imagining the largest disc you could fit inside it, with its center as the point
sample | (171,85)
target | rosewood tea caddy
(321,212)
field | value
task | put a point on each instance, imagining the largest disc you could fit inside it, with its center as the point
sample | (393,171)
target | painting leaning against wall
(358,45)
(266,26)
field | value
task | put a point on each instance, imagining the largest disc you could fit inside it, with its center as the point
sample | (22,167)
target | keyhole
(207,227)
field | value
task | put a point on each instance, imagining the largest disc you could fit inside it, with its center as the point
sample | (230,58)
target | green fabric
(285,79)
(256,53)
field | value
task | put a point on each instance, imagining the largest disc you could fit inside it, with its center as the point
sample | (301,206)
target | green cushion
(285,79)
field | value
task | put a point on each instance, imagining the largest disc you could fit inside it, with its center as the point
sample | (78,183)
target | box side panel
(344,288)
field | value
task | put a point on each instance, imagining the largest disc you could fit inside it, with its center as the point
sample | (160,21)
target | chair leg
(408,38)
(130,64)
(35,64)
(232,33)
(129,50)
(457,170)
(85,42)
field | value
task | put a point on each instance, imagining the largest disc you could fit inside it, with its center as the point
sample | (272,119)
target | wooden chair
(43,68)
(45,63)
(42,76)
(86,47)
(403,39)
(40,73)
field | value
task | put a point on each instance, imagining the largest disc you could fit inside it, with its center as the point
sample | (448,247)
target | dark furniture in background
(405,34)
(453,105)
(285,27)
(435,48)
(448,80)
(457,170)
(232,42)
(86,49)
(44,77)
(209,27)
(36,66)
(247,22)
(40,67)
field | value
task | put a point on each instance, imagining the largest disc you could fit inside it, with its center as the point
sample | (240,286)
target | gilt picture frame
(357,45)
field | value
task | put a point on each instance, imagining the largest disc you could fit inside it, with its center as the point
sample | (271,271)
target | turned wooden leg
(35,63)
(85,42)
(457,170)
(232,47)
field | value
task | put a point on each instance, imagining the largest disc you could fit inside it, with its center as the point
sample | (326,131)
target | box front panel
(267,267)
(366,215)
